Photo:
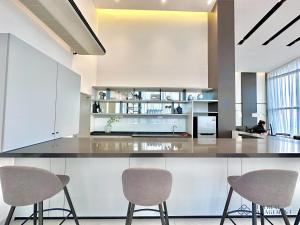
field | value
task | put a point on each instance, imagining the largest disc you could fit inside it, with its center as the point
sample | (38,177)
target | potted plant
(110,122)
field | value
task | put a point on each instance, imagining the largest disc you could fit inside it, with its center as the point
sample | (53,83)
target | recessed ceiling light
(209,2)
(163,1)
(117,1)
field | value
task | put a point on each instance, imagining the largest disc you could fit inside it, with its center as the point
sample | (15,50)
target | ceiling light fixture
(262,21)
(163,1)
(209,2)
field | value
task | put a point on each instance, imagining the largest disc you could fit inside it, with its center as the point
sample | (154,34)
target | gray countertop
(159,147)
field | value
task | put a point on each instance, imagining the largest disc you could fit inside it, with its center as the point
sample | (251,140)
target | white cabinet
(41,97)
(30,96)
(67,103)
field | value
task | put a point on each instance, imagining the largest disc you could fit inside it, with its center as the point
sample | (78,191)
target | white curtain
(283,93)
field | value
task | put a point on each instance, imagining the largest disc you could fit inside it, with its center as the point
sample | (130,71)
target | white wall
(146,48)
(16,19)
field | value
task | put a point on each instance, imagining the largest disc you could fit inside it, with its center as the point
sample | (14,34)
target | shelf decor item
(110,122)
(96,108)
(179,110)
(102,95)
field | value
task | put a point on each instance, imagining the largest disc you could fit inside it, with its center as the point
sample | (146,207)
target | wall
(150,48)
(28,28)
(261,99)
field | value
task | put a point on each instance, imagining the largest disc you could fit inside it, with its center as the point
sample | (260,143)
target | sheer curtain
(283,87)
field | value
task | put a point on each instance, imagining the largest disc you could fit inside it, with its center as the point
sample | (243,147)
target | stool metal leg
(254,217)
(166,213)
(226,206)
(262,214)
(41,213)
(71,205)
(285,218)
(130,212)
(35,208)
(10,214)
(161,212)
(297,218)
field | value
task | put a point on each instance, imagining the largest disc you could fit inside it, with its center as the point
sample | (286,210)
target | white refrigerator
(207,127)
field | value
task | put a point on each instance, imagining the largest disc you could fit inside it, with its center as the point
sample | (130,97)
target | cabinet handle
(53,133)
(57,132)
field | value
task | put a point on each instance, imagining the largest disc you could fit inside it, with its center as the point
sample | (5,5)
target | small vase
(107,129)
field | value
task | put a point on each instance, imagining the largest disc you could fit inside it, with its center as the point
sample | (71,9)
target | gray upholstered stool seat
(232,179)
(147,187)
(64,179)
(272,188)
(23,186)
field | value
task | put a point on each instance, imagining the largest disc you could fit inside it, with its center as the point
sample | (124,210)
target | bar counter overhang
(159,147)
(200,168)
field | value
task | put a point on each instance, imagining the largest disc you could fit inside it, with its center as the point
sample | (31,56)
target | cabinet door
(67,102)
(30,96)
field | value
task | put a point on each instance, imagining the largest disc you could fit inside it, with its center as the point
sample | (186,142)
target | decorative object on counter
(102,95)
(110,122)
(96,107)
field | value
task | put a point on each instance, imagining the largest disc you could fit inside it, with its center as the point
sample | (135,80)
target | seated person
(260,128)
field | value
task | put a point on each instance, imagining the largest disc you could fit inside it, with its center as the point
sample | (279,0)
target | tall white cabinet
(41,97)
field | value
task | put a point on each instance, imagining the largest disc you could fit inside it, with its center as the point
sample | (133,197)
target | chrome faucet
(173,129)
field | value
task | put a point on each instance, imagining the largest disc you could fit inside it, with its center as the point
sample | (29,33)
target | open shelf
(141,101)
(133,115)
(205,112)
(205,101)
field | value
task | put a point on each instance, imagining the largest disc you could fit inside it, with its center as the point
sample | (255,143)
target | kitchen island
(199,166)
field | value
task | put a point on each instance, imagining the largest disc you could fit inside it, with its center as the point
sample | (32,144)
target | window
(284,98)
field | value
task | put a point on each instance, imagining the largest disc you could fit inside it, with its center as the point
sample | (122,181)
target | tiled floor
(276,221)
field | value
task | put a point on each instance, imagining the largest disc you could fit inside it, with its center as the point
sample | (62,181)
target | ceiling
(173,5)
(252,56)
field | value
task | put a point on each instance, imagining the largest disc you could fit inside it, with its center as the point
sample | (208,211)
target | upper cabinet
(67,21)
(67,103)
(40,95)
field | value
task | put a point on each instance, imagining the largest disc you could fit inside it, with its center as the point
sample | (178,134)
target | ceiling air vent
(66,20)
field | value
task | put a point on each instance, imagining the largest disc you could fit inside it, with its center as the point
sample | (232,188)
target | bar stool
(272,188)
(22,186)
(147,187)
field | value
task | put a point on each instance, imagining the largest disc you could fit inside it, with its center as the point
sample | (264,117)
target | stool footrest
(245,211)
(49,210)
(139,210)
